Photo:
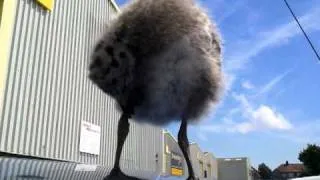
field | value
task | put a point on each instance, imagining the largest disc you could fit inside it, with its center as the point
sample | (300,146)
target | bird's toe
(117,174)
(192,178)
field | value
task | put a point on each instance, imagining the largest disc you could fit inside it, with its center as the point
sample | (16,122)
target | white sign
(90,138)
(85,167)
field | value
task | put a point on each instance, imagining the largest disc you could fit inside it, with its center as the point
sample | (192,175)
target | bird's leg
(184,146)
(123,131)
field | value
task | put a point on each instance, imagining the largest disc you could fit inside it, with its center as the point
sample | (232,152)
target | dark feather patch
(122,55)
(96,63)
(114,81)
(109,50)
(106,71)
(114,63)
(98,46)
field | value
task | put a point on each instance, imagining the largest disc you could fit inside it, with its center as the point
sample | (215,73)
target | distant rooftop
(287,167)
(233,159)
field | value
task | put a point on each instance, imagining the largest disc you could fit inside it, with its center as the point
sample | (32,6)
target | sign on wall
(48,4)
(176,165)
(176,172)
(90,138)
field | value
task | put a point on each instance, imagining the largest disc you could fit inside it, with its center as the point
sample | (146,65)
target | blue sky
(270,109)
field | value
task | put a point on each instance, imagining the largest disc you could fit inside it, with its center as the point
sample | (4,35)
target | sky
(270,109)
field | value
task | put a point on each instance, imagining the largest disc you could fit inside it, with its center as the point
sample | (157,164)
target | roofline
(115,5)
(235,158)
(288,164)
(170,134)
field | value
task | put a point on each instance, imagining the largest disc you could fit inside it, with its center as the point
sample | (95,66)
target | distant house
(288,171)
(254,174)
(234,169)
(204,164)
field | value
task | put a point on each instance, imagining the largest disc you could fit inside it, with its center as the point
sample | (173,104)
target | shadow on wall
(169,178)
(45,169)
(21,167)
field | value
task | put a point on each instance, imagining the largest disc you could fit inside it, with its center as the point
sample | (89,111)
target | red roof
(287,168)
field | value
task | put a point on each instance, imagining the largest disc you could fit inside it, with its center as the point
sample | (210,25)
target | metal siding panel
(77,108)
(24,89)
(21,80)
(66,85)
(6,120)
(60,69)
(74,80)
(45,83)
(38,85)
(35,75)
(12,99)
(51,85)
(48,93)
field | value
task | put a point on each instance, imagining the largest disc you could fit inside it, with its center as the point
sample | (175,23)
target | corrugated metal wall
(212,166)
(48,93)
(238,166)
(197,156)
(173,147)
(14,168)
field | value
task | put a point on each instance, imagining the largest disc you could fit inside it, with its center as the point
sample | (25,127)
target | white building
(234,168)
(204,163)
(46,99)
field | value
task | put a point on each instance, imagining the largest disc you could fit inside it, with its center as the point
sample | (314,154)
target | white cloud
(272,83)
(263,118)
(230,9)
(238,57)
(243,127)
(202,136)
(271,119)
(247,85)
(228,81)
(238,60)
(250,116)
(244,103)
(305,132)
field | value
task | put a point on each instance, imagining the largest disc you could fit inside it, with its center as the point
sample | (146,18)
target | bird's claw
(117,174)
(192,178)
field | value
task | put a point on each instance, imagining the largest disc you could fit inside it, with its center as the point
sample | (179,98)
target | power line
(305,34)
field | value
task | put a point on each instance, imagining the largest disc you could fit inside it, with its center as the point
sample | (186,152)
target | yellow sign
(48,4)
(8,10)
(176,172)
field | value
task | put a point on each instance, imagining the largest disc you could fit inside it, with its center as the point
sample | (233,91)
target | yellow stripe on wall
(176,172)
(6,30)
(1,7)
(48,4)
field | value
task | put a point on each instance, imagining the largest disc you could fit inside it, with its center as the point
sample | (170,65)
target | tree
(310,157)
(264,171)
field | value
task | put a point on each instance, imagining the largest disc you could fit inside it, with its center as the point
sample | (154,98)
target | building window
(201,168)
(176,165)
(209,171)
(1,8)
(291,175)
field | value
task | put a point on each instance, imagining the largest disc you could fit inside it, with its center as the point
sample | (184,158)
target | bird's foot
(117,174)
(192,178)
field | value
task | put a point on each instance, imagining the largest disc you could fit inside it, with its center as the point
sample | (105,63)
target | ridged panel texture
(173,147)
(48,93)
(14,168)
(207,160)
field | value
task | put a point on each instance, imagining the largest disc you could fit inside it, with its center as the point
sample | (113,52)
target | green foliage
(310,157)
(264,171)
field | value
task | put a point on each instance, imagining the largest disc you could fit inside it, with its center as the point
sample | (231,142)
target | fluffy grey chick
(161,61)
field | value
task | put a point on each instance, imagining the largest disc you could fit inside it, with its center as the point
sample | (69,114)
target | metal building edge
(47,94)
